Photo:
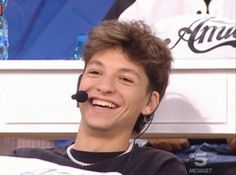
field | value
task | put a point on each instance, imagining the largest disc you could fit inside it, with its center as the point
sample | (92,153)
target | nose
(106,85)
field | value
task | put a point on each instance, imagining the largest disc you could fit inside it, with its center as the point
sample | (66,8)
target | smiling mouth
(103,104)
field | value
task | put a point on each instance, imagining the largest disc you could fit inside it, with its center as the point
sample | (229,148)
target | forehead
(115,59)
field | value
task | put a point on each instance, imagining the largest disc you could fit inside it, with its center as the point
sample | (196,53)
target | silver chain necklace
(68,151)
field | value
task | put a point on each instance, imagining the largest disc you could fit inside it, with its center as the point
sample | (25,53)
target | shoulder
(161,161)
(154,152)
(45,154)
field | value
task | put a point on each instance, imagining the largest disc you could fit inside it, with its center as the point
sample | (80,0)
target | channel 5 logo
(199,159)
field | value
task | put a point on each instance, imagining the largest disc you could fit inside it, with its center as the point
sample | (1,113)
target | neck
(73,159)
(100,143)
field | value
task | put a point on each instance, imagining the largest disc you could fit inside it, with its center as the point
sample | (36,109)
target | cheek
(136,99)
(85,84)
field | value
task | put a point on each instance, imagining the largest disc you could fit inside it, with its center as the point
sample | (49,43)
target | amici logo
(206,34)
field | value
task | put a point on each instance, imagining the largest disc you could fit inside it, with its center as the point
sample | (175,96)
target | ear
(152,104)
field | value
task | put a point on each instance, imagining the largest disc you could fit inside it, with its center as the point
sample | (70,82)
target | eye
(126,80)
(94,72)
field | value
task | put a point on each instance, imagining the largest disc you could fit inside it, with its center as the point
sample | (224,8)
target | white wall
(35,98)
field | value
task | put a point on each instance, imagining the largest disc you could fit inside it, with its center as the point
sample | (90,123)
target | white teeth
(103,103)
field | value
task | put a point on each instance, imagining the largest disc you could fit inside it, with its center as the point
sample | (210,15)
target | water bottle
(3,32)
(81,39)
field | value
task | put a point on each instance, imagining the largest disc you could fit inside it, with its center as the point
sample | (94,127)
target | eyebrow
(96,62)
(124,70)
(131,71)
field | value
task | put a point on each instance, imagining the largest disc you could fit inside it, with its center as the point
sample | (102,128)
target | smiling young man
(125,76)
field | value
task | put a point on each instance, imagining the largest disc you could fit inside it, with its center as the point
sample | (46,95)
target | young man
(125,76)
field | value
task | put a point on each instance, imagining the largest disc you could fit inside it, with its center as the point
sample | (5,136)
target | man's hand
(176,144)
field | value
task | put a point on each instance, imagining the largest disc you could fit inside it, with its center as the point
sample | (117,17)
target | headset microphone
(80,96)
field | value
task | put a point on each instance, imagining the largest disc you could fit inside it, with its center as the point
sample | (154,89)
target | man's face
(117,90)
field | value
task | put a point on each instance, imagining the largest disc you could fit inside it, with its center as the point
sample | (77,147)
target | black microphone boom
(80,96)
